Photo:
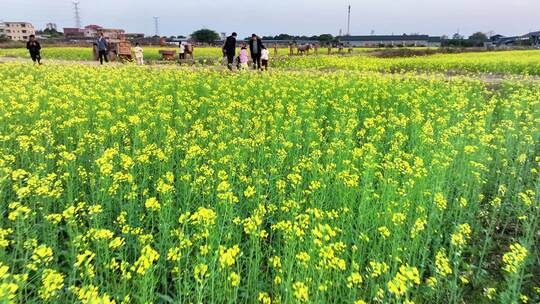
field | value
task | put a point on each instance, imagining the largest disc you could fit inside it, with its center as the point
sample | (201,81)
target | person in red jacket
(34,48)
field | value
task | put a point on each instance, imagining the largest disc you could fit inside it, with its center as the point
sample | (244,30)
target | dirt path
(492,79)
(53,61)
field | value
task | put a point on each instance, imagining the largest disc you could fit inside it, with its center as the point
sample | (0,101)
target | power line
(77,14)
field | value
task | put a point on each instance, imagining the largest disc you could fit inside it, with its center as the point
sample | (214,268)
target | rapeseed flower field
(127,184)
(507,62)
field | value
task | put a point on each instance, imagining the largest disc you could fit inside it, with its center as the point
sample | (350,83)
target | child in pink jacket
(243,57)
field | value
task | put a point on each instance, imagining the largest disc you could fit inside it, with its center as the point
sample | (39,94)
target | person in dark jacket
(255,47)
(101,44)
(34,48)
(229,49)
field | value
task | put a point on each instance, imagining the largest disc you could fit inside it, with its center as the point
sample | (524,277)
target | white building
(19,31)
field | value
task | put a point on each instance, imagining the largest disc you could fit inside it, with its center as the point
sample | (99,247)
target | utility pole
(77,14)
(156,25)
(349,22)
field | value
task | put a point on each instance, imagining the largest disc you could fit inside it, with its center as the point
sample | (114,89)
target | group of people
(259,53)
(102,48)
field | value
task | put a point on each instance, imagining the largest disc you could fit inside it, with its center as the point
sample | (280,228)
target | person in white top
(139,54)
(264,58)
(182,51)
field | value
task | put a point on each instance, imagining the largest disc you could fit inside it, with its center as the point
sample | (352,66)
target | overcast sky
(271,17)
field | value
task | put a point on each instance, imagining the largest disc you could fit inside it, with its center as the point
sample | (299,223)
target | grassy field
(127,184)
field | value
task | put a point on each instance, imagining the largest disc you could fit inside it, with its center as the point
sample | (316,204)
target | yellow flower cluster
(514,259)
(53,282)
(406,278)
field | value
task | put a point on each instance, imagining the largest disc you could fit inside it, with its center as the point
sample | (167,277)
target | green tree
(205,36)
(457,36)
(325,38)
(478,36)
(52,33)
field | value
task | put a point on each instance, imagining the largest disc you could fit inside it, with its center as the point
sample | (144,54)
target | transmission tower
(77,14)
(156,25)
(349,22)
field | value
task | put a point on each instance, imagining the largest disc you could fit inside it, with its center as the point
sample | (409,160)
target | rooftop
(385,38)
(15,22)
(93,26)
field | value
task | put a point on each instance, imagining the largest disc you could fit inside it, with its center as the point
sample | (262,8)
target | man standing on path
(255,47)
(102,48)
(34,48)
(181,51)
(230,49)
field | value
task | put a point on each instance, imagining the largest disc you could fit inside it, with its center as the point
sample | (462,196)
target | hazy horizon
(300,17)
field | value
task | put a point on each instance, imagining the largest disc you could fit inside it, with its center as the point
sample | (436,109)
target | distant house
(73,33)
(91,31)
(532,38)
(390,40)
(287,42)
(434,41)
(112,33)
(495,38)
(18,31)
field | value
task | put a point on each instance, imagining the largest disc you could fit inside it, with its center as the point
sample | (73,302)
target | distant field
(150,53)
(513,62)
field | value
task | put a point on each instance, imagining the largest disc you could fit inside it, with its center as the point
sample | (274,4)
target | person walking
(139,56)
(243,58)
(101,43)
(255,48)
(34,48)
(265,56)
(229,48)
